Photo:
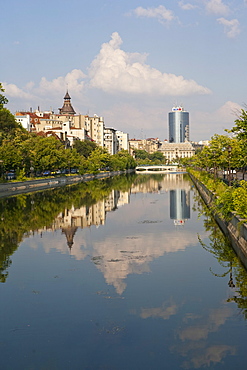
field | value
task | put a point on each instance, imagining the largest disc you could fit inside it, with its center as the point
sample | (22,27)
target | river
(124,273)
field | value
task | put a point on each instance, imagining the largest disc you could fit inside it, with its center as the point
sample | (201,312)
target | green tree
(157,156)
(141,154)
(3,99)
(85,147)
(98,159)
(240,128)
(11,156)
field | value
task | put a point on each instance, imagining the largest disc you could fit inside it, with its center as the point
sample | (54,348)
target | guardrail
(18,187)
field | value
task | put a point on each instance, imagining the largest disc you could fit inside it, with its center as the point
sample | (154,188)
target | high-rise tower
(178,125)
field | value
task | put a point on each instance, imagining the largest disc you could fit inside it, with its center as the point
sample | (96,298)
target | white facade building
(110,140)
(123,140)
(95,129)
(24,121)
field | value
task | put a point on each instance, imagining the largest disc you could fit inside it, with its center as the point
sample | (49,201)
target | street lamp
(229,149)
(1,163)
(214,166)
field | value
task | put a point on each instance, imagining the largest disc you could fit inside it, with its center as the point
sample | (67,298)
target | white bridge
(159,168)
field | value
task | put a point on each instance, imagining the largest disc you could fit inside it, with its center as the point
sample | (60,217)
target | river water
(126,273)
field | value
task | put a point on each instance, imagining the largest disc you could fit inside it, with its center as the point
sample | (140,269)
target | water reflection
(179,206)
(220,248)
(119,287)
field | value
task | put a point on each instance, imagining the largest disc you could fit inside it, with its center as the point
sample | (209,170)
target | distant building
(178,122)
(67,107)
(174,151)
(110,140)
(123,140)
(24,120)
(69,127)
(150,145)
(95,128)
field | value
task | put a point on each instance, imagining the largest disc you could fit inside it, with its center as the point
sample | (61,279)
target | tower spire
(67,106)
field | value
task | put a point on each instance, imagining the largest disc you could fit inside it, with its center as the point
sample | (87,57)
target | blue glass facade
(178,126)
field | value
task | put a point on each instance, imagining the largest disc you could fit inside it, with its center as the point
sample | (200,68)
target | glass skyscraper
(178,125)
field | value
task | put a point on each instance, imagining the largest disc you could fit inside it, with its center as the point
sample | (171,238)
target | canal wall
(13,188)
(235,229)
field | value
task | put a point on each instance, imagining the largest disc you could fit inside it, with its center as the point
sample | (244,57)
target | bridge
(161,168)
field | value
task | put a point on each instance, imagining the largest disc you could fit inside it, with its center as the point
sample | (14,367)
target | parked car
(226,172)
(46,173)
(10,175)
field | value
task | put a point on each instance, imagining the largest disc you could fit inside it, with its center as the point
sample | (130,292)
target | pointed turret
(69,233)
(67,107)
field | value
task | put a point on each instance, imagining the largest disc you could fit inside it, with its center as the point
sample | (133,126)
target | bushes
(228,199)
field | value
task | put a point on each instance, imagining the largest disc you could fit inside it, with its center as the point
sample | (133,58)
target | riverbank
(19,187)
(235,229)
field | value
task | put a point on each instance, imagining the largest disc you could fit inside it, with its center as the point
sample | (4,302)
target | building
(173,151)
(69,126)
(110,140)
(123,140)
(24,120)
(95,128)
(67,107)
(178,122)
(150,145)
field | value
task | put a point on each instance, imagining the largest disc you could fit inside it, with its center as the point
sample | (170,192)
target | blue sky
(128,61)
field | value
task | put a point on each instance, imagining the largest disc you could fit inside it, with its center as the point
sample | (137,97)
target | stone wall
(235,229)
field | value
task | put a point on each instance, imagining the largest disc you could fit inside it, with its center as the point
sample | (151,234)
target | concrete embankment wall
(12,188)
(235,229)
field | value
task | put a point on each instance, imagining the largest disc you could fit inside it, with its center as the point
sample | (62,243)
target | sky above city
(129,61)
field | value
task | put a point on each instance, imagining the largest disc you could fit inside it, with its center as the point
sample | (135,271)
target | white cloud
(217,7)
(15,92)
(215,120)
(72,81)
(186,6)
(161,13)
(229,110)
(231,28)
(114,70)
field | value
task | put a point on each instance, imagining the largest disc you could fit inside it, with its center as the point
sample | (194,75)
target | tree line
(223,158)
(224,152)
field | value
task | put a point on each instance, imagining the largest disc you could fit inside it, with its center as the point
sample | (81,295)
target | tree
(3,99)
(240,128)
(98,159)
(141,154)
(85,147)
(11,156)
(8,123)
(122,161)
(157,156)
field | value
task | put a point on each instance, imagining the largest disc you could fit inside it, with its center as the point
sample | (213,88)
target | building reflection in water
(179,206)
(71,219)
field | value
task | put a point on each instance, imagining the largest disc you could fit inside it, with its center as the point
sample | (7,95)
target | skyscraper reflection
(179,206)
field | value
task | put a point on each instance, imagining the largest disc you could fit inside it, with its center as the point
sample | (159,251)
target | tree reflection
(24,214)
(222,250)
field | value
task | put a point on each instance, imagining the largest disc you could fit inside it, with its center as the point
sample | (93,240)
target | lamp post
(214,166)
(1,164)
(229,149)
